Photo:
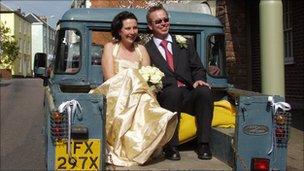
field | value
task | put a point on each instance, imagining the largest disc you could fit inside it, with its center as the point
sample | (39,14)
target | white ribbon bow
(70,107)
(278,105)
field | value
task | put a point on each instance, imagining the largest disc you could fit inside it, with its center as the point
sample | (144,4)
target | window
(216,55)
(44,31)
(68,52)
(28,47)
(288,37)
(20,26)
(25,29)
(20,45)
(99,39)
(23,46)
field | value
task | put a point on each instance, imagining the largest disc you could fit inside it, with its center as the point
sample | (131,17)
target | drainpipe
(272,49)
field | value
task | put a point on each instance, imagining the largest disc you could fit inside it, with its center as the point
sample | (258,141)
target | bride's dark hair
(117,23)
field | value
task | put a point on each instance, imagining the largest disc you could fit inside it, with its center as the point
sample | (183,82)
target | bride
(135,123)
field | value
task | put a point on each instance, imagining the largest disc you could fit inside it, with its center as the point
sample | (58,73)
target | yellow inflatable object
(223,116)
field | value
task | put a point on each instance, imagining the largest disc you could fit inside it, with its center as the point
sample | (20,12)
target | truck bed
(222,155)
(189,161)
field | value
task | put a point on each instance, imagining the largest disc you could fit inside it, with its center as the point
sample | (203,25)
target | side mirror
(40,65)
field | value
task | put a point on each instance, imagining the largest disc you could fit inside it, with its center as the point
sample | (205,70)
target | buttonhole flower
(182,41)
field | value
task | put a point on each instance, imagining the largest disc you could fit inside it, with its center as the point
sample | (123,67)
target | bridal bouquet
(153,76)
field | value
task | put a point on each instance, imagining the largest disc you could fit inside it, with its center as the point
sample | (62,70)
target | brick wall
(5,74)
(232,14)
(104,37)
(294,73)
(117,3)
(255,45)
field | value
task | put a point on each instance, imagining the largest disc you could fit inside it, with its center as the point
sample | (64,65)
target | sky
(50,8)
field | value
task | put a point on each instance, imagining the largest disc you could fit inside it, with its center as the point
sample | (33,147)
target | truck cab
(75,120)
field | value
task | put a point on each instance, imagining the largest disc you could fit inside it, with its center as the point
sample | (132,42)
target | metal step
(221,144)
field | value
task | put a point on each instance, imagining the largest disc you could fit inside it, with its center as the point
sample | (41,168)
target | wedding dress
(136,125)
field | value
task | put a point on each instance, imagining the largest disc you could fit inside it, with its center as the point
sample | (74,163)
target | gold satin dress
(136,125)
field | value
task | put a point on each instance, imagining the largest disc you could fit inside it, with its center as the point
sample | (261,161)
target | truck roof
(107,15)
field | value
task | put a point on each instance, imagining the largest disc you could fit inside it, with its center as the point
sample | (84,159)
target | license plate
(85,155)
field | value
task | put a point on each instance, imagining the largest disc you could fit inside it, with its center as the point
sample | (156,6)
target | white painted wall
(37,40)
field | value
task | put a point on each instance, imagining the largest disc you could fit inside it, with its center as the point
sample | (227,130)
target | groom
(184,86)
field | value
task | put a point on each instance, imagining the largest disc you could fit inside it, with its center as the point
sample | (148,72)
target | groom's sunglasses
(159,21)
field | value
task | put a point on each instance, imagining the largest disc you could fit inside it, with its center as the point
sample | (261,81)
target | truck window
(96,52)
(68,52)
(216,55)
(100,37)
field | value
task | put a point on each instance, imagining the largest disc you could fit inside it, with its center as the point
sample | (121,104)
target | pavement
(295,150)
(5,82)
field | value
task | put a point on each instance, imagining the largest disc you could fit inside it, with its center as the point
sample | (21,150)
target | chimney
(19,10)
(43,18)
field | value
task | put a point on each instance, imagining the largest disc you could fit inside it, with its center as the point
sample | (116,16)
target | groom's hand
(201,83)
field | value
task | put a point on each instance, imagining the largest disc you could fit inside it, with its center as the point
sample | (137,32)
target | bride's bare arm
(145,55)
(108,61)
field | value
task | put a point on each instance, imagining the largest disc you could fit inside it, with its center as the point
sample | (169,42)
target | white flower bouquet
(153,76)
(182,41)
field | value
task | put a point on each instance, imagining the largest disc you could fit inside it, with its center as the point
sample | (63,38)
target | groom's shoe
(172,153)
(203,152)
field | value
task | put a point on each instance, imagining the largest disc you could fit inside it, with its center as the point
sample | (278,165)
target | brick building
(241,22)
(117,3)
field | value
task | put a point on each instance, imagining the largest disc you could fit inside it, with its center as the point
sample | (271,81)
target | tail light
(57,132)
(57,126)
(282,121)
(280,133)
(57,117)
(259,164)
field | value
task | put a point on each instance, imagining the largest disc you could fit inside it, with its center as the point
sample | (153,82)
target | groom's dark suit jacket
(188,67)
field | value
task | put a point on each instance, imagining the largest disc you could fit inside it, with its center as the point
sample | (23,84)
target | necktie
(169,59)
(169,56)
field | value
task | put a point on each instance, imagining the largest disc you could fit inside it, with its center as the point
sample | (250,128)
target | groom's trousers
(197,102)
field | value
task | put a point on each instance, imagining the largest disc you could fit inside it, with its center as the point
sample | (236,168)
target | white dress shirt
(157,42)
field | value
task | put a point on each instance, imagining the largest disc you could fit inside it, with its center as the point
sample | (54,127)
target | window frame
(58,53)
(288,33)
